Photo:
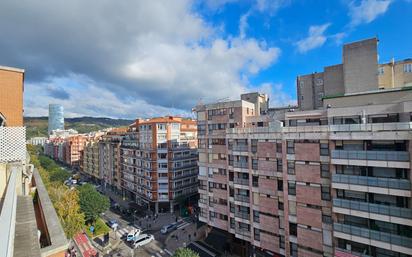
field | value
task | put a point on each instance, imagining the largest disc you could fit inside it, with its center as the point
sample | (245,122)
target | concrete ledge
(58,239)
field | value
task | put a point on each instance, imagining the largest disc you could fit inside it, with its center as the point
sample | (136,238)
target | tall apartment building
(330,182)
(159,162)
(358,72)
(109,159)
(91,159)
(56,117)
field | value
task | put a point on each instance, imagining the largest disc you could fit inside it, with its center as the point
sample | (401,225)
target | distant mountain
(37,126)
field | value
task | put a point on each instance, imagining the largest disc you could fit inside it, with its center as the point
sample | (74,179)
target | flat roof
(379,91)
(11,69)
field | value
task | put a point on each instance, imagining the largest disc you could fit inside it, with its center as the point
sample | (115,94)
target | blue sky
(291,21)
(142,58)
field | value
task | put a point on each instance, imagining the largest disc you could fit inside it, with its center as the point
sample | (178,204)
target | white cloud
(316,38)
(160,54)
(243,24)
(277,96)
(217,4)
(367,10)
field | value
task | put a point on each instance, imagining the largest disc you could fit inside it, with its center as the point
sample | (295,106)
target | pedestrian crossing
(122,232)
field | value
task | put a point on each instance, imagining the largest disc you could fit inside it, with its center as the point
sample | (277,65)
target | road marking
(183,226)
(158,255)
(168,252)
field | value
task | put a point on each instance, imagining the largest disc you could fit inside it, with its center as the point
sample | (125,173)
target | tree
(185,252)
(59,175)
(66,203)
(92,203)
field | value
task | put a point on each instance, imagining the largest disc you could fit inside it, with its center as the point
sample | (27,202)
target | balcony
(241,181)
(243,232)
(402,184)
(373,235)
(346,253)
(373,208)
(242,215)
(399,156)
(242,165)
(240,148)
(242,198)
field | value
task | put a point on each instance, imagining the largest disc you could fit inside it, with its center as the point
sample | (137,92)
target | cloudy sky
(141,58)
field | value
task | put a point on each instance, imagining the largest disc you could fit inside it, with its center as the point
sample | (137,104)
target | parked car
(168,228)
(113,224)
(143,240)
(133,233)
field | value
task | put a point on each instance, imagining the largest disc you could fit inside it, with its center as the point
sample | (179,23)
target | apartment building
(109,159)
(73,148)
(358,72)
(11,91)
(330,182)
(91,159)
(159,162)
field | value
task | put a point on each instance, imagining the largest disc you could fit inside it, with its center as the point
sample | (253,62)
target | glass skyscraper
(56,117)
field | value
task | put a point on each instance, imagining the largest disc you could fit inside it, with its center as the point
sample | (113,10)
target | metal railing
(373,234)
(243,165)
(390,126)
(349,252)
(241,181)
(403,184)
(371,155)
(373,208)
(242,231)
(242,198)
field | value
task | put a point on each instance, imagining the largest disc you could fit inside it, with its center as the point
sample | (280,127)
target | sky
(145,58)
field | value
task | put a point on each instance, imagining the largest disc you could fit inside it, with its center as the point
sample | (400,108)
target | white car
(133,233)
(142,240)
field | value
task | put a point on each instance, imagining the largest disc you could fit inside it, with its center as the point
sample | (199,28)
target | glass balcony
(371,155)
(242,198)
(243,165)
(241,181)
(392,183)
(373,235)
(373,208)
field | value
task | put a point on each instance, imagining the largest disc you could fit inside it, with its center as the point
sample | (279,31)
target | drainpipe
(393,72)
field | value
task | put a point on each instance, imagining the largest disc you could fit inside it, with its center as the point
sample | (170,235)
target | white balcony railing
(12,144)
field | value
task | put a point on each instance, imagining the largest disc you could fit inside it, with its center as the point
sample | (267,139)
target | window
(381,71)
(279,165)
(324,149)
(319,82)
(281,206)
(291,167)
(255,216)
(407,67)
(280,185)
(293,229)
(279,147)
(327,219)
(324,170)
(292,188)
(325,193)
(257,234)
(320,96)
(301,84)
(293,249)
(282,242)
(291,147)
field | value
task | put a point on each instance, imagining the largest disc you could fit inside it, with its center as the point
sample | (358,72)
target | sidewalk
(149,223)
(182,237)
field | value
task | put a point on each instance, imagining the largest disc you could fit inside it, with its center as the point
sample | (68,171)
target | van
(142,240)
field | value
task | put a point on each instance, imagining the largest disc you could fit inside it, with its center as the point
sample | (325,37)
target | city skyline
(125,68)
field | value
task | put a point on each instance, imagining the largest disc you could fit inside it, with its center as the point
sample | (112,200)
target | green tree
(66,203)
(185,252)
(92,203)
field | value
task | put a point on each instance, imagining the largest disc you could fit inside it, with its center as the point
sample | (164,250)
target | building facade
(329,182)
(159,162)
(11,91)
(91,159)
(358,72)
(73,148)
(56,117)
